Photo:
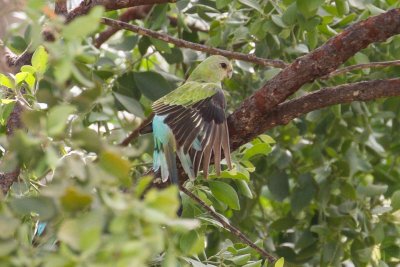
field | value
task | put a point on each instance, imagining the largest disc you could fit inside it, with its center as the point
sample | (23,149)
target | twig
(382,64)
(135,133)
(132,13)
(199,47)
(61,7)
(109,5)
(236,232)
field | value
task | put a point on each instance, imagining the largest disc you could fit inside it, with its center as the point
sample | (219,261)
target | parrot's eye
(223,65)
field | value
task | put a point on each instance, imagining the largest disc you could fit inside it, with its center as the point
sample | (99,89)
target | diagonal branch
(109,5)
(248,120)
(198,47)
(236,232)
(132,13)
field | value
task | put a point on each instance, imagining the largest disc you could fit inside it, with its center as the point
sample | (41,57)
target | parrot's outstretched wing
(195,113)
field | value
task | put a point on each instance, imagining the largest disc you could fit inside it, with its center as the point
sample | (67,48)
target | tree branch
(13,123)
(248,120)
(109,5)
(132,13)
(61,7)
(342,94)
(382,64)
(199,47)
(236,232)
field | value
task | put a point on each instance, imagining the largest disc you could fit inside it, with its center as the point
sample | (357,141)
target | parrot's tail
(164,158)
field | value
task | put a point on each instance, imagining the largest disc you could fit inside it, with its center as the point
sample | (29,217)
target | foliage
(323,190)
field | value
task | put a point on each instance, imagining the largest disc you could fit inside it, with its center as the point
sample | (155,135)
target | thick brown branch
(236,232)
(132,13)
(382,64)
(109,5)
(199,47)
(347,93)
(247,121)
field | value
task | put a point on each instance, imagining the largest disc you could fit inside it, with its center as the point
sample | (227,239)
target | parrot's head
(212,69)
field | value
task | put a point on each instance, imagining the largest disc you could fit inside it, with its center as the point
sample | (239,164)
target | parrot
(190,123)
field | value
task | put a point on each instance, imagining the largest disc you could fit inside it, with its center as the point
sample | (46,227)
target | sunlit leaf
(225,193)
(40,60)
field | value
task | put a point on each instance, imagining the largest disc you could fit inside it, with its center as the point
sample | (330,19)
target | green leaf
(280,262)
(26,77)
(131,105)
(125,85)
(7,247)
(254,264)
(236,173)
(40,59)
(165,201)
(161,45)
(83,26)
(241,259)
(73,200)
(253,4)
(225,193)
(152,84)
(192,243)
(308,7)
(372,190)
(174,57)
(257,149)
(303,194)
(8,227)
(290,15)
(278,184)
(43,206)
(6,81)
(63,70)
(396,200)
(278,21)
(342,7)
(83,233)
(28,68)
(57,119)
(114,164)
(244,188)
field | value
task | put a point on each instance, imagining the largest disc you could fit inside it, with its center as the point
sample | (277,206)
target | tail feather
(171,163)
(164,150)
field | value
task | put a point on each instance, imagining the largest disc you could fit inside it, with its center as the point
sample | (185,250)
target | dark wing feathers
(204,121)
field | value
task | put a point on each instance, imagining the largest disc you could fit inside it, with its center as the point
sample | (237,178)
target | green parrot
(190,122)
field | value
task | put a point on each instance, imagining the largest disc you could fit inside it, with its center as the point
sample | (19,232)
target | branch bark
(199,47)
(109,5)
(61,7)
(132,13)
(248,120)
(236,232)
(342,94)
